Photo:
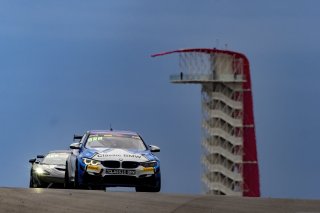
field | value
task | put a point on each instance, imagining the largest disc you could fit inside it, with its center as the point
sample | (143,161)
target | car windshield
(55,158)
(118,141)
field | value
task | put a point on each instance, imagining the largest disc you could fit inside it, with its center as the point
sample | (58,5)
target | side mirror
(75,146)
(77,137)
(154,148)
(40,156)
(32,160)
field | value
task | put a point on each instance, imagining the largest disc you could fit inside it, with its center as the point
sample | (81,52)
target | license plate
(120,172)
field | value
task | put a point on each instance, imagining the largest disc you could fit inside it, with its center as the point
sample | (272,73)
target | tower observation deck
(229,156)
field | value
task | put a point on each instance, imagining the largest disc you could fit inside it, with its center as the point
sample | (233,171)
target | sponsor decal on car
(117,154)
(93,168)
(105,155)
(149,169)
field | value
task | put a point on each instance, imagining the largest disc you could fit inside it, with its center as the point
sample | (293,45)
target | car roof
(125,132)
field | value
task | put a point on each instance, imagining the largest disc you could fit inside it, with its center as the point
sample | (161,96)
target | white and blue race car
(109,158)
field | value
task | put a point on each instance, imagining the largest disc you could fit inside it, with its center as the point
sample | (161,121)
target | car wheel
(140,189)
(155,188)
(76,183)
(67,182)
(35,184)
(97,187)
(31,185)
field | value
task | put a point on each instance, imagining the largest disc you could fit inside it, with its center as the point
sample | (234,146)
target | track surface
(77,201)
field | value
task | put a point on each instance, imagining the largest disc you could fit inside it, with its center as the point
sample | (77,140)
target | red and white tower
(229,158)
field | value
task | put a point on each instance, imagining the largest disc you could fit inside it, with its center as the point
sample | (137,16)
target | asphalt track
(77,201)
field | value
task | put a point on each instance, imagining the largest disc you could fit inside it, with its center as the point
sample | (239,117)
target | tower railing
(216,167)
(206,78)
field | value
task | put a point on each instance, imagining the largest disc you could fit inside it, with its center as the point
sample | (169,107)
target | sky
(71,66)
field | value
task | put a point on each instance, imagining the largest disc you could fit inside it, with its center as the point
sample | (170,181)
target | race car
(109,158)
(49,170)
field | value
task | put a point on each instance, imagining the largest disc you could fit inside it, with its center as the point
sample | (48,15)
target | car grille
(116,164)
(111,164)
(130,164)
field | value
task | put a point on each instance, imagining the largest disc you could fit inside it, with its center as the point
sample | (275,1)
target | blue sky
(70,66)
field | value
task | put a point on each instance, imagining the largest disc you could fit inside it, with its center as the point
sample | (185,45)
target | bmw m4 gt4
(109,158)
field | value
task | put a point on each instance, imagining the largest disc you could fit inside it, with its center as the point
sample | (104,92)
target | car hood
(119,155)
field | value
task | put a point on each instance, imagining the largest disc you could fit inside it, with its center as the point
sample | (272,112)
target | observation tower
(229,156)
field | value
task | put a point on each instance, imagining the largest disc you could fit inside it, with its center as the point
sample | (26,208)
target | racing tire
(31,185)
(76,178)
(67,183)
(155,188)
(97,188)
(34,184)
(76,183)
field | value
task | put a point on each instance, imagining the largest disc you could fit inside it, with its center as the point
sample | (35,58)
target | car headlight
(41,171)
(149,164)
(89,161)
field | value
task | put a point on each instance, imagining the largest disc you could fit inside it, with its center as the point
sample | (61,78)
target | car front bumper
(100,175)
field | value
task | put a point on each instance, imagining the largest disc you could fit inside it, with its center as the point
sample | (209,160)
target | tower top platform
(202,65)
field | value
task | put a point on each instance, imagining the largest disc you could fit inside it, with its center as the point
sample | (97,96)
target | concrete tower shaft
(229,156)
